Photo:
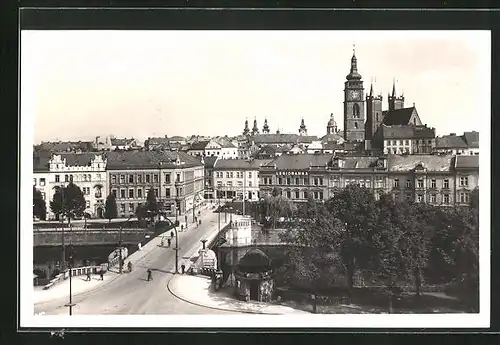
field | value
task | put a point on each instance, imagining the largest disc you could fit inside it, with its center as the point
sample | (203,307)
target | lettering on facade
(288,173)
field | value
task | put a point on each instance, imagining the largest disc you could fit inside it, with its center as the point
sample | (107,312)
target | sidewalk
(196,290)
(78,283)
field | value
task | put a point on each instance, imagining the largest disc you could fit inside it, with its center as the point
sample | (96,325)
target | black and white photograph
(255,178)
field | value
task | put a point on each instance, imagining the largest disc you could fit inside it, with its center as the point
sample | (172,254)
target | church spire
(246,130)
(354,66)
(302,128)
(265,129)
(371,88)
(255,129)
(393,87)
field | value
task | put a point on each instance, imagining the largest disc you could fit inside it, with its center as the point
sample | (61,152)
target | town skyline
(103,77)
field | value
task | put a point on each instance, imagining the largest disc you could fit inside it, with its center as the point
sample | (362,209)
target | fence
(78,271)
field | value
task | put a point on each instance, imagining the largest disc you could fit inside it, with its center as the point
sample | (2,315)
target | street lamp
(176,238)
(71,256)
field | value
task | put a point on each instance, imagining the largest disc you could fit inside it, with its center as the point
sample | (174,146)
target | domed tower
(255,129)
(246,130)
(265,129)
(254,277)
(331,127)
(354,105)
(302,128)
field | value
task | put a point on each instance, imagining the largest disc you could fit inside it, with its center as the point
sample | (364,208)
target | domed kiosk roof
(254,261)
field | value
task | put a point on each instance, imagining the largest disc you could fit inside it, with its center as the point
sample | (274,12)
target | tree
(354,207)
(110,208)
(275,206)
(68,202)
(39,207)
(474,198)
(140,212)
(152,204)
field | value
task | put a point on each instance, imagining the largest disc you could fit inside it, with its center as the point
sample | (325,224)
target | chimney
(413,104)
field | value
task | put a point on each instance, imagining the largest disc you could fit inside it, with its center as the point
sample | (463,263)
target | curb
(212,307)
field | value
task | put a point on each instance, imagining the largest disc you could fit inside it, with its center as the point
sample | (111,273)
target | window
(113,191)
(394,142)
(87,203)
(420,183)
(446,199)
(113,178)
(249,183)
(306,195)
(57,178)
(420,198)
(297,180)
(219,183)
(139,178)
(122,193)
(316,195)
(148,178)
(98,177)
(464,197)
(156,191)
(231,174)
(167,192)
(409,197)
(43,195)
(407,142)
(464,181)
(34,182)
(288,180)
(131,207)
(229,183)
(297,194)
(433,198)
(66,178)
(408,183)
(84,177)
(122,178)
(288,194)
(280,180)
(155,178)
(178,177)
(396,183)
(122,207)
(446,184)
(131,193)
(89,177)
(306,181)
(355,112)
(167,178)
(433,183)
(240,184)
(130,178)
(355,125)
(139,193)
(250,174)
(227,174)
(398,142)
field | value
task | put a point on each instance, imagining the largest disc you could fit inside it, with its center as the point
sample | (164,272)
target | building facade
(439,180)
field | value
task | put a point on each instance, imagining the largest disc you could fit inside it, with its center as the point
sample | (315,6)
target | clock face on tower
(355,94)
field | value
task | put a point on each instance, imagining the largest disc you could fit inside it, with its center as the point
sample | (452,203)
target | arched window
(356,125)
(355,110)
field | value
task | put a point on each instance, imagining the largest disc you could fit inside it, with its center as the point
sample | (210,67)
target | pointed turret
(354,75)
(302,128)
(255,129)
(246,130)
(265,129)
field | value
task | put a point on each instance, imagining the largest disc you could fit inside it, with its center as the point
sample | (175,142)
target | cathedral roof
(398,116)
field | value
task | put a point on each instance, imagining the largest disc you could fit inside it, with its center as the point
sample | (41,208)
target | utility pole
(176,238)
(120,247)
(63,266)
(244,183)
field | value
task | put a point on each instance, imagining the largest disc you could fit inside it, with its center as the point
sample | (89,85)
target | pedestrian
(171,234)
(161,243)
(88,276)
(129,266)
(183,268)
(150,275)
(168,241)
(101,274)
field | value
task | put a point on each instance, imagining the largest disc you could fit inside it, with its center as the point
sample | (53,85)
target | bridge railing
(76,271)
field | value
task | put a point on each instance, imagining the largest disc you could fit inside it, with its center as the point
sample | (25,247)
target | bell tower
(354,105)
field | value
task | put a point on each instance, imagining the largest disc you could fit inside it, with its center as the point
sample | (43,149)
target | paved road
(132,294)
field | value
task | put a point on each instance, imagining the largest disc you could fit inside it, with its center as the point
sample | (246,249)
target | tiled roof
(300,162)
(339,136)
(40,163)
(156,141)
(149,160)
(407,131)
(360,162)
(397,117)
(472,139)
(450,141)
(268,150)
(333,146)
(121,141)
(209,161)
(225,143)
(467,162)
(199,145)
(410,162)
(240,163)
(65,146)
(78,159)
(177,138)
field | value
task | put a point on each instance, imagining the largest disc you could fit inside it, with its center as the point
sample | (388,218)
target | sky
(76,85)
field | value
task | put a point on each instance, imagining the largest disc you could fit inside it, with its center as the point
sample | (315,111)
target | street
(131,293)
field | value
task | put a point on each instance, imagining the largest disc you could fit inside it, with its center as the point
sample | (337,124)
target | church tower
(331,127)
(265,129)
(246,131)
(395,102)
(354,105)
(373,114)
(302,128)
(255,129)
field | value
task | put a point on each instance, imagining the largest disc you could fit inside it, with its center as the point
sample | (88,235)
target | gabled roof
(78,159)
(122,141)
(65,146)
(240,163)
(472,139)
(405,163)
(199,145)
(467,162)
(209,161)
(407,132)
(225,143)
(300,162)
(450,142)
(149,160)
(398,117)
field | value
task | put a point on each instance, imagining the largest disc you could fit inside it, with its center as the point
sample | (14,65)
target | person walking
(169,241)
(88,276)
(129,265)
(183,268)
(171,234)
(101,274)
(150,275)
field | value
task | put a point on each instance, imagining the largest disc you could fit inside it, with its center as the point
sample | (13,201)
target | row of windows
(463,182)
(296,194)
(230,184)
(230,174)
(140,193)
(406,142)
(81,177)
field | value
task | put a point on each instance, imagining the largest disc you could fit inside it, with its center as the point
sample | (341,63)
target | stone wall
(88,237)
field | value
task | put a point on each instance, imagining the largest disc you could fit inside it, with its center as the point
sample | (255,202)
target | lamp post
(63,266)
(176,238)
